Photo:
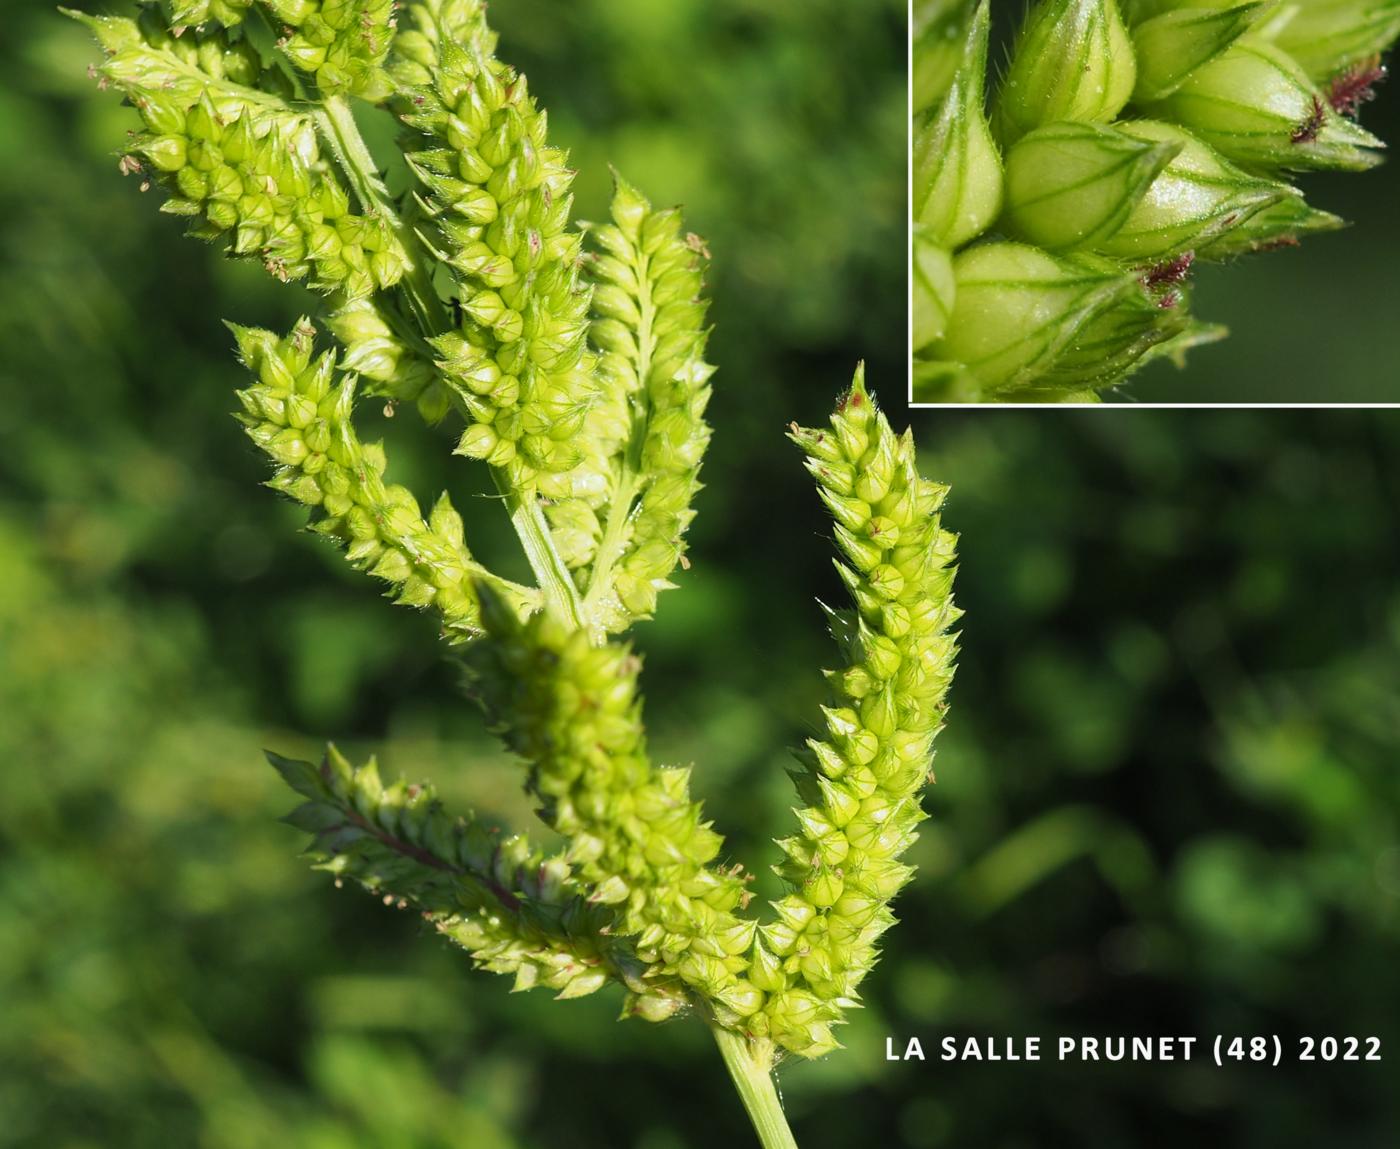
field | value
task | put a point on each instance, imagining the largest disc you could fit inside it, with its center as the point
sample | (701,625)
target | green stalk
(336,122)
(553,576)
(523,598)
(750,1065)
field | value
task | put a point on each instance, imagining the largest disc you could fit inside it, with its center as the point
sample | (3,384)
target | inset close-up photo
(1153,201)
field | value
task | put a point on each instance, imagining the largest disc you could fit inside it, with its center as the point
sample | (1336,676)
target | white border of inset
(1121,406)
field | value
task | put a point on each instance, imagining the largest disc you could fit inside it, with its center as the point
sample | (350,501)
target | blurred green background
(1167,799)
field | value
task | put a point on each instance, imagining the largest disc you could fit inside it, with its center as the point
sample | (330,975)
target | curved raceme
(1057,218)
(300,412)
(341,45)
(499,194)
(649,327)
(503,901)
(861,780)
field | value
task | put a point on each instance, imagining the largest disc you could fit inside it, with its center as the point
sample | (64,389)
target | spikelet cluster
(187,13)
(427,29)
(498,897)
(861,780)
(571,710)
(239,162)
(1056,223)
(519,358)
(392,360)
(340,44)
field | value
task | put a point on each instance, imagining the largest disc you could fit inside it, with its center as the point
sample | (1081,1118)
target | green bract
(571,359)
(1328,36)
(1197,197)
(1072,61)
(1074,185)
(1125,140)
(1257,106)
(1170,47)
(933,289)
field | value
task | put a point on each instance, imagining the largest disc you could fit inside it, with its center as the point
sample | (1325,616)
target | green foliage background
(1167,802)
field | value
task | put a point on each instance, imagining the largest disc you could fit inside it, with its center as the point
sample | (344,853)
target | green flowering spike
(1326,37)
(937,33)
(1072,61)
(1256,106)
(1072,186)
(934,289)
(299,412)
(862,779)
(519,362)
(340,44)
(1017,308)
(390,358)
(638,841)
(240,164)
(1171,46)
(513,909)
(1196,199)
(957,170)
(647,435)
(583,381)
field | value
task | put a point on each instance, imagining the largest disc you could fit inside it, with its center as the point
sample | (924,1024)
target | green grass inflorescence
(571,357)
